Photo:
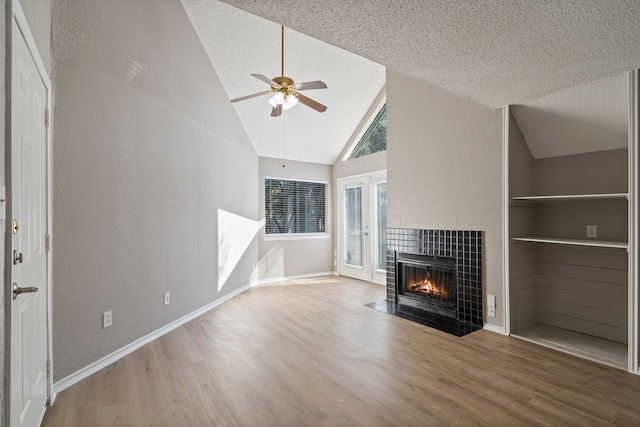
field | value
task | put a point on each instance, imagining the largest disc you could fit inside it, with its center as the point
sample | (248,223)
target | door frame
(371,178)
(18,16)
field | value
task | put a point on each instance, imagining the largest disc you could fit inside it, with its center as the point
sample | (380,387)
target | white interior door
(362,226)
(29,338)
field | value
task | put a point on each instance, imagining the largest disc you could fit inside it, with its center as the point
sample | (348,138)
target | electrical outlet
(491,305)
(592,231)
(107,318)
(167,298)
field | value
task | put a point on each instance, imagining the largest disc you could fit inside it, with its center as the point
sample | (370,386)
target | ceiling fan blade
(276,111)
(310,85)
(252,96)
(266,80)
(311,103)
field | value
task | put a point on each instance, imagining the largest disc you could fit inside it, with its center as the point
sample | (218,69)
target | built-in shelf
(600,196)
(588,347)
(575,242)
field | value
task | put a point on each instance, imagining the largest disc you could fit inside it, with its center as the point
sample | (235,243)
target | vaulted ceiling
(240,44)
(495,52)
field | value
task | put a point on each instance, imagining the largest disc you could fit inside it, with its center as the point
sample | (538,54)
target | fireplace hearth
(434,277)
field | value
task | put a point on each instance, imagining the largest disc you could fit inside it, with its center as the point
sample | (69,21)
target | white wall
(148,154)
(444,168)
(295,257)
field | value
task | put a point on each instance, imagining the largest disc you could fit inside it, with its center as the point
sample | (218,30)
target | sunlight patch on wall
(235,234)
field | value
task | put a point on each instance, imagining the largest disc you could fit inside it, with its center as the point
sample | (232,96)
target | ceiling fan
(286,91)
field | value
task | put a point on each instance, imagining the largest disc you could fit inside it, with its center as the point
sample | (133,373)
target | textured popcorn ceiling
(495,52)
(240,44)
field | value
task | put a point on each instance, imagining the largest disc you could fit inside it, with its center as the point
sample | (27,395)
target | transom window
(374,139)
(294,207)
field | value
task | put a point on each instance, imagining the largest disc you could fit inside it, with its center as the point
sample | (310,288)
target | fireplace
(427,282)
(434,277)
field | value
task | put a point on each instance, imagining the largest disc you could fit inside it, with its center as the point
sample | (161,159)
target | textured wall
(295,257)
(147,152)
(444,168)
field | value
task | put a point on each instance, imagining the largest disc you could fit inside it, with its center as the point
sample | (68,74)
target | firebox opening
(427,282)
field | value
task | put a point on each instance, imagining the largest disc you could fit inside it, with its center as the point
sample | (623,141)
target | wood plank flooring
(309,353)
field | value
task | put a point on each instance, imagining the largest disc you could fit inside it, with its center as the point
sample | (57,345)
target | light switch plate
(592,231)
(107,319)
(491,305)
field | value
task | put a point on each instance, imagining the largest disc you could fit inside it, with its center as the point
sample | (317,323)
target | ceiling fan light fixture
(286,92)
(276,99)
(289,102)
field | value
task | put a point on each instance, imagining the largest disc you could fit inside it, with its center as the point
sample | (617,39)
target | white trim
(23,25)
(296,236)
(633,267)
(506,300)
(575,242)
(496,329)
(285,278)
(129,348)
(598,196)
(279,178)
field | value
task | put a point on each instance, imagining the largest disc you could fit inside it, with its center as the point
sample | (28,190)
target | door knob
(17,290)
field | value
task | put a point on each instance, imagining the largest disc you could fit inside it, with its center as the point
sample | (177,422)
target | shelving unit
(567,291)
(532,201)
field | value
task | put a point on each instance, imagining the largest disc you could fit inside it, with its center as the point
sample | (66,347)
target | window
(375,138)
(294,207)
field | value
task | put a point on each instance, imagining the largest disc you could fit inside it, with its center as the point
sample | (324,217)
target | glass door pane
(353,226)
(381,208)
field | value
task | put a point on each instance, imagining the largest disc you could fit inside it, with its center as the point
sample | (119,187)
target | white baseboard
(129,348)
(494,328)
(284,278)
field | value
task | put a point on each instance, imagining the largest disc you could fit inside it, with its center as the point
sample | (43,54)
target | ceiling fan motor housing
(286,84)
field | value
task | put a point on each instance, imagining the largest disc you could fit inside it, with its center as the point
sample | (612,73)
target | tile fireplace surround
(465,247)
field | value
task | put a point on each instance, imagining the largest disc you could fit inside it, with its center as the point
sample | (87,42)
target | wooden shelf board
(576,242)
(601,196)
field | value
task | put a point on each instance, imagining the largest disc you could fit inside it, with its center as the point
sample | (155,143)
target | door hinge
(47,243)
(48,368)
(46,117)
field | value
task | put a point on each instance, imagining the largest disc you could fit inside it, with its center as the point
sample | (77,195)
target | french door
(362,224)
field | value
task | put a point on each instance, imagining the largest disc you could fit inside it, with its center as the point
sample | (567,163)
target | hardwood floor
(311,353)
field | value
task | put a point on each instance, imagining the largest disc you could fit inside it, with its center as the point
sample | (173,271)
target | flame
(427,287)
